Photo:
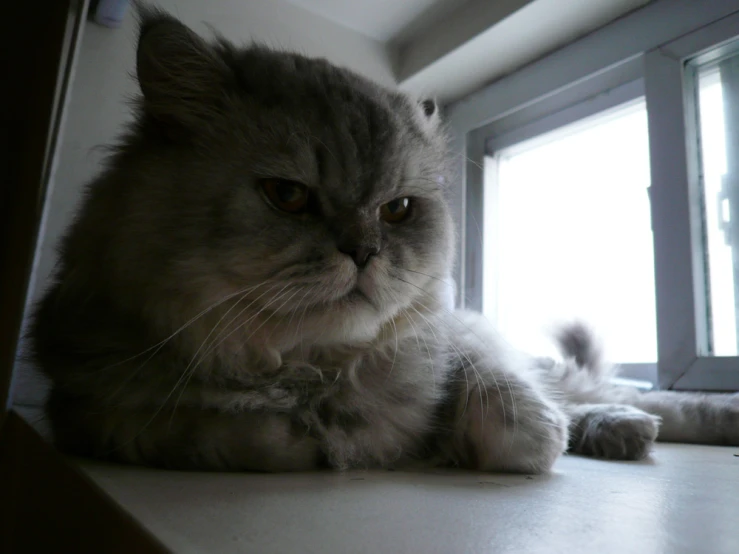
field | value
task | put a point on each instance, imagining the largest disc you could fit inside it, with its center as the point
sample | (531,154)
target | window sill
(680,501)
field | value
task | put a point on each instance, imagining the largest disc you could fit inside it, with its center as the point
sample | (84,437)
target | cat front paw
(513,430)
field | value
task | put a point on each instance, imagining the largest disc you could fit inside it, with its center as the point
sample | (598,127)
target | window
(692,103)
(569,234)
(717,90)
(602,183)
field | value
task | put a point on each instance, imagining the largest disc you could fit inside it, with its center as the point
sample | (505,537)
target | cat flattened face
(311,180)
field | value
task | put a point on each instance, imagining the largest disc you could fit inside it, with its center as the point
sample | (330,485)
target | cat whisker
(297,308)
(183,327)
(227,325)
(273,313)
(409,318)
(432,327)
(215,345)
(191,372)
(299,326)
(442,281)
(477,374)
(190,369)
(161,345)
(184,378)
(447,283)
(319,141)
(395,351)
(436,185)
(466,158)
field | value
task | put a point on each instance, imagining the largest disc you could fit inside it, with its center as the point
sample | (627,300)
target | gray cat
(259,281)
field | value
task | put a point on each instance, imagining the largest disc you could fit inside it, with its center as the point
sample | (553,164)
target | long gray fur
(191,325)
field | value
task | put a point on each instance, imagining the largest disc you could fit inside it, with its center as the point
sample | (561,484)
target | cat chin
(352,320)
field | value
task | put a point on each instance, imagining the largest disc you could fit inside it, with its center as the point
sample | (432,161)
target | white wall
(103,81)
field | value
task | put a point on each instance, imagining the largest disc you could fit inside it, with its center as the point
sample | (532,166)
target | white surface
(383,20)
(487,40)
(684,500)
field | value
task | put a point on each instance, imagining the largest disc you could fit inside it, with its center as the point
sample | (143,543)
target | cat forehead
(308,120)
(294,74)
(324,125)
(355,163)
(316,89)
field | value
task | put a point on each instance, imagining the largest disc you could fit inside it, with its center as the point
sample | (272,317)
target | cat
(259,280)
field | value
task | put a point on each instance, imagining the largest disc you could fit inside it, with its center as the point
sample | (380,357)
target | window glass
(568,235)
(717,91)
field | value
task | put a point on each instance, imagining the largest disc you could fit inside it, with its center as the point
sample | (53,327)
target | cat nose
(360,253)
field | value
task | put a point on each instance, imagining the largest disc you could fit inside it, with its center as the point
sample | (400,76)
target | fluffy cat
(259,281)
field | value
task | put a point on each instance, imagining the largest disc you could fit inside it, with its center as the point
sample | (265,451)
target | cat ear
(429,107)
(429,114)
(180,75)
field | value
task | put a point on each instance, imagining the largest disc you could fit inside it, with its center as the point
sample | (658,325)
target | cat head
(316,193)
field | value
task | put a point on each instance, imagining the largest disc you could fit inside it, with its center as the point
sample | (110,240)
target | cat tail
(585,377)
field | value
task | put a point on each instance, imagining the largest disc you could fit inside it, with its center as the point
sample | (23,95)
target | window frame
(594,73)
(676,189)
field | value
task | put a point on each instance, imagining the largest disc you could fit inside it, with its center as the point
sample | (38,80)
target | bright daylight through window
(720,201)
(568,235)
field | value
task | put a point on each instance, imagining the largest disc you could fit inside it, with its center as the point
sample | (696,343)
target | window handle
(723,208)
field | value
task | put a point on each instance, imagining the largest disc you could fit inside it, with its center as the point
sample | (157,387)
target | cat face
(304,185)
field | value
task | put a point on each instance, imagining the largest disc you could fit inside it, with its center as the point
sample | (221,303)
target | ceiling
(450,48)
(383,20)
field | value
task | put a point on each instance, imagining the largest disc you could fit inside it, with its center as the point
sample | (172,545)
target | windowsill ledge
(682,500)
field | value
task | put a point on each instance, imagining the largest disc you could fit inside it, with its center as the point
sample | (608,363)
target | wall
(104,81)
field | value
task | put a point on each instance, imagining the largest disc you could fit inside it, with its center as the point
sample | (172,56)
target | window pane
(568,235)
(718,101)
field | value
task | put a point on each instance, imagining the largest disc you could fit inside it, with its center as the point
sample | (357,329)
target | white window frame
(676,190)
(642,54)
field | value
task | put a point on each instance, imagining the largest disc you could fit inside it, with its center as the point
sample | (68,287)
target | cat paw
(614,432)
(526,436)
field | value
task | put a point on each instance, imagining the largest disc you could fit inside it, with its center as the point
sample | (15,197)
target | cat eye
(285,195)
(396,210)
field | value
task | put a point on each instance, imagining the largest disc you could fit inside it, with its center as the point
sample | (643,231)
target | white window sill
(683,500)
